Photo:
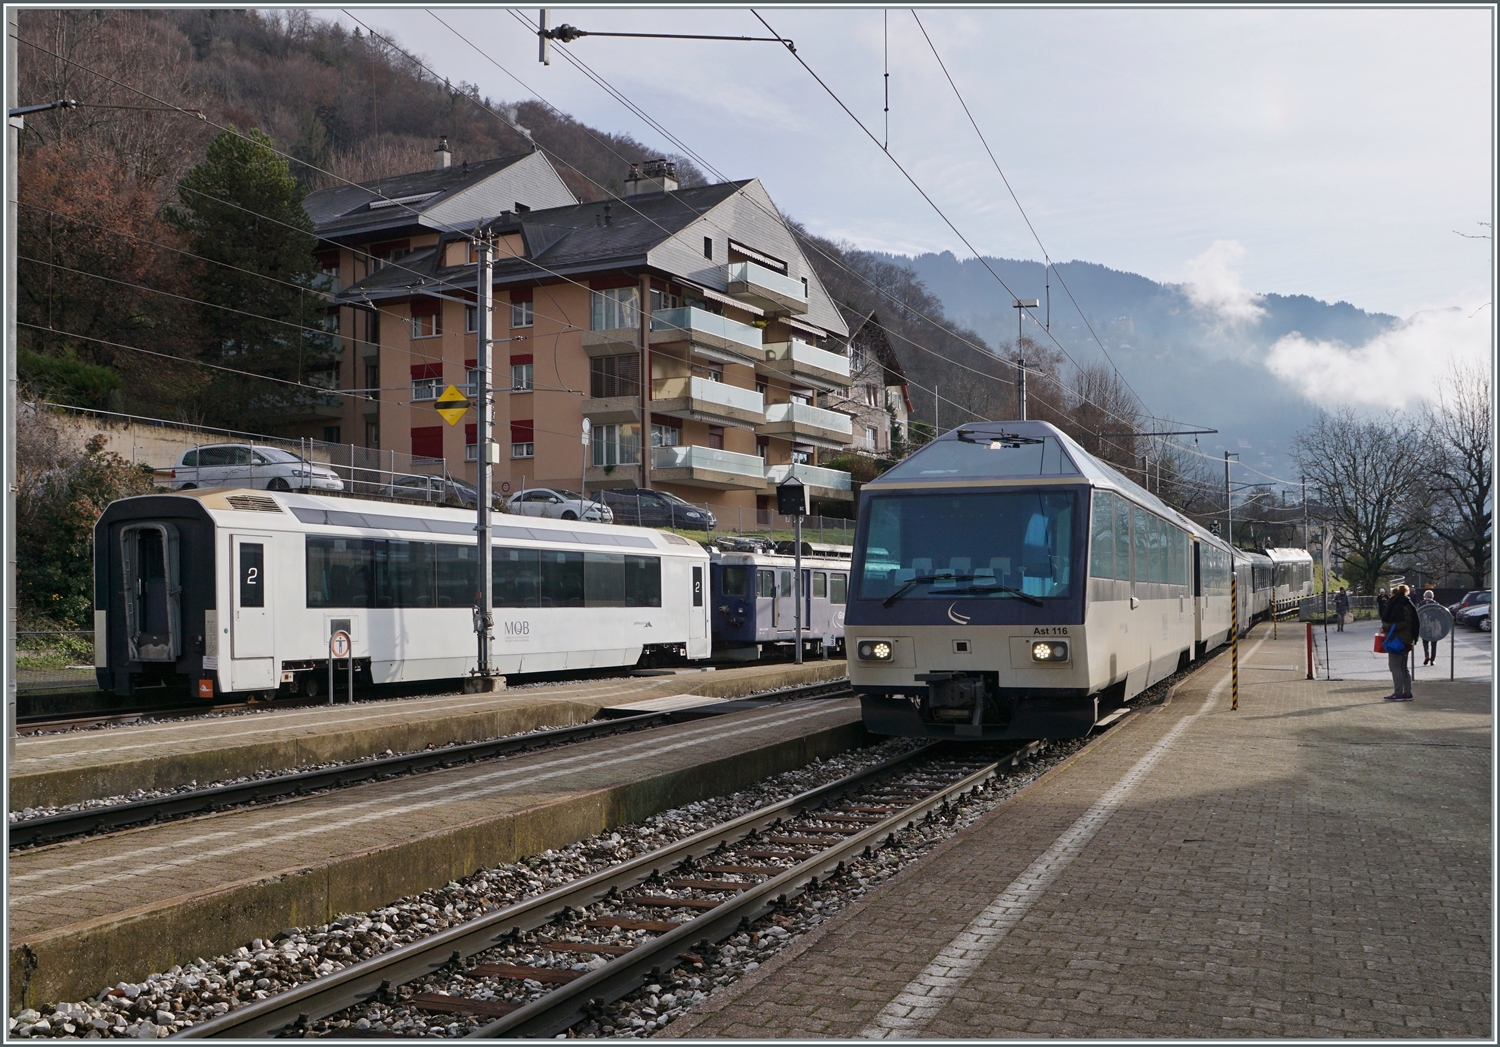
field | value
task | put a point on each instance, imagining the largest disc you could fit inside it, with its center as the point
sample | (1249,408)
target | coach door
(251,635)
(786,601)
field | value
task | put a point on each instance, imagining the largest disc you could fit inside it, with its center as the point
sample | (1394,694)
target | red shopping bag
(1380,643)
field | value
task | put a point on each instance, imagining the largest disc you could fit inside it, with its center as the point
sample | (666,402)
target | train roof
(237,507)
(1032,451)
(1289,555)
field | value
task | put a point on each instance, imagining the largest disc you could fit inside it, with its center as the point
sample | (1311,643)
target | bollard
(1234,640)
(1309,651)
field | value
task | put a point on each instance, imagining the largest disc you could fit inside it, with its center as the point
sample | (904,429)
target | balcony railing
(812,475)
(765,288)
(749,468)
(808,363)
(703,395)
(741,342)
(806,420)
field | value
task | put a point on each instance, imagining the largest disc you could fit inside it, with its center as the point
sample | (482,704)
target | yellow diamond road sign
(452,405)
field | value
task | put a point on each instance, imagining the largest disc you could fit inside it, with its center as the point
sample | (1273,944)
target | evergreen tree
(242,207)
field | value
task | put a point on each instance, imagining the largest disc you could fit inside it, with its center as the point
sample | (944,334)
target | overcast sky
(1338,150)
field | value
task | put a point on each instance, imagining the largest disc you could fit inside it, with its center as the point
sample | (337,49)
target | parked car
(249,465)
(1475,616)
(1471,599)
(438,490)
(658,509)
(560,505)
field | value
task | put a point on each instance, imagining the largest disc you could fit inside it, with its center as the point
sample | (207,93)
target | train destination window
(364,572)
(1002,544)
(736,581)
(252,575)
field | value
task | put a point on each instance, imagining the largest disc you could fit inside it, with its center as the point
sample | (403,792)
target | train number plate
(1050,630)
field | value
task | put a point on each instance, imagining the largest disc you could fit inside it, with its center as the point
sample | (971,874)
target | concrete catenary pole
(484,402)
(12,157)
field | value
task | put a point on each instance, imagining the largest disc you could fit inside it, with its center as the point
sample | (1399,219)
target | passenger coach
(1006,583)
(239,591)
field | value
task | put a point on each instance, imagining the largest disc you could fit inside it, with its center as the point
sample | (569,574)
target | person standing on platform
(1380,601)
(1429,647)
(1402,627)
(1341,607)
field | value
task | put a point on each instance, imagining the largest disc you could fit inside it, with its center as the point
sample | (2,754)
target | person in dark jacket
(1429,647)
(1380,601)
(1341,607)
(1401,621)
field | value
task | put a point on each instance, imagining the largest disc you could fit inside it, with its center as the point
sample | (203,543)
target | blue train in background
(754,602)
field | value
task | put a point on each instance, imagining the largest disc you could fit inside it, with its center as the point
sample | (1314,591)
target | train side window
(736,581)
(1122,539)
(820,585)
(562,579)
(786,583)
(252,575)
(457,570)
(1141,541)
(642,580)
(517,581)
(838,588)
(1102,547)
(765,583)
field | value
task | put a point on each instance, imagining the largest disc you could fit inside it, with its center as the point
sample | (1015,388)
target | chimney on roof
(444,157)
(654,176)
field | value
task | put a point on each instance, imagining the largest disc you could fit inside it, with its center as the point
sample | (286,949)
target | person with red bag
(1402,627)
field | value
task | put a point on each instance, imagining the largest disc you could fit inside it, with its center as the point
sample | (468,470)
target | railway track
(689,895)
(50,828)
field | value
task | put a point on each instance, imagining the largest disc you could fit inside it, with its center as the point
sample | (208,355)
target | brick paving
(1316,864)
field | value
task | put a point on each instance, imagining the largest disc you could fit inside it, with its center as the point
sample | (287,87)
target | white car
(560,505)
(246,465)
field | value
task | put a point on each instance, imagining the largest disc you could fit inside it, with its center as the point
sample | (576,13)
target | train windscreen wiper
(927,578)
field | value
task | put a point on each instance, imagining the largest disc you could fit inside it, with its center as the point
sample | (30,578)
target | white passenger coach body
(245,588)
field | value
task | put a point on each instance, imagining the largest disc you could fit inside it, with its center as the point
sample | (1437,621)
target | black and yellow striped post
(1234,642)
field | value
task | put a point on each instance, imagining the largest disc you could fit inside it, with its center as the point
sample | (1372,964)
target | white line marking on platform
(928,992)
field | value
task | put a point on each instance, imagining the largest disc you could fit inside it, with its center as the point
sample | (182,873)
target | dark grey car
(644,508)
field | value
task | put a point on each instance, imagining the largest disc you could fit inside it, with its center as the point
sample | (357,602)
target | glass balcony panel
(759,276)
(690,321)
(812,475)
(806,414)
(692,456)
(709,390)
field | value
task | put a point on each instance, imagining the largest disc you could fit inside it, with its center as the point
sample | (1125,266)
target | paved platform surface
(89,912)
(1316,864)
(80,765)
(1350,655)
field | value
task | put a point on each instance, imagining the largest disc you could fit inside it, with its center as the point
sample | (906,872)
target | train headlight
(1049,651)
(875,650)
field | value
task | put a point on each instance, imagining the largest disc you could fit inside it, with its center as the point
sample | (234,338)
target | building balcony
(807,424)
(708,467)
(765,288)
(799,362)
(613,342)
(713,337)
(602,410)
(704,400)
(823,483)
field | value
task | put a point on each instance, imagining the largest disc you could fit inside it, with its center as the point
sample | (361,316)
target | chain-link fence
(55,660)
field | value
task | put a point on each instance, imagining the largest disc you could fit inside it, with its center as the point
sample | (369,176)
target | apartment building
(877,397)
(684,324)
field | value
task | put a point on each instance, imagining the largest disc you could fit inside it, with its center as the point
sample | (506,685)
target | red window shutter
(666,420)
(471,434)
(520,358)
(427,441)
(606,283)
(520,294)
(471,364)
(426,307)
(421,371)
(522,432)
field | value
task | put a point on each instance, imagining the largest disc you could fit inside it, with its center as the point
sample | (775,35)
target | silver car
(249,465)
(560,505)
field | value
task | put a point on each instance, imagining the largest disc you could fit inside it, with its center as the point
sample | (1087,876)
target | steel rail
(53,827)
(370,979)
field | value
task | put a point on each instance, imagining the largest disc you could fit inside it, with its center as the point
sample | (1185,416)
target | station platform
(1315,864)
(82,765)
(91,912)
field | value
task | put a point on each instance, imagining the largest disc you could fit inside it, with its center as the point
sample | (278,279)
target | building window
(520,377)
(801,457)
(708,247)
(471,443)
(761,386)
(372,435)
(471,319)
(763,448)
(662,300)
(332,434)
(372,381)
(520,314)
(471,381)
(716,437)
(616,445)
(856,357)
(665,435)
(713,372)
(522,439)
(872,396)
(614,308)
(872,440)
(425,388)
(427,442)
(427,326)
(615,376)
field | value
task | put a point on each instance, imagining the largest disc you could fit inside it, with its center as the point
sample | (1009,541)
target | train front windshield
(1011,544)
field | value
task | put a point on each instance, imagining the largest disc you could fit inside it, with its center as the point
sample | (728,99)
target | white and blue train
(754,606)
(238,592)
(1008,584)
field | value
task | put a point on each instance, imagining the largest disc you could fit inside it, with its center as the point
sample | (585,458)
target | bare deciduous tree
(1369,477)
(1460,461)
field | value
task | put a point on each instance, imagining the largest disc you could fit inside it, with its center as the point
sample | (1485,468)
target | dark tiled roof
(346,208)
(563,240)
